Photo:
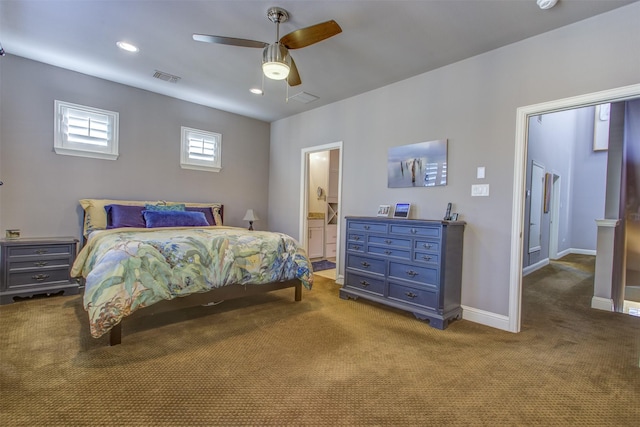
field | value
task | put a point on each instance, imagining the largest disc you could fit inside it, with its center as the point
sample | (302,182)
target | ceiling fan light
(275,62)
(275,70)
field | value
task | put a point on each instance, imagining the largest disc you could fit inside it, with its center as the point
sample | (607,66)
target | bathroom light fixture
(546,4)
(276,62)
(250,216)
(127,46)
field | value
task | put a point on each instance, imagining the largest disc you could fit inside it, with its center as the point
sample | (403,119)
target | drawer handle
(426,258)
(427,245)
(412,273)
(41,251)
(388,252)
(365,264)
(356,247)
(364,283)
(366,227)
(388,242)
(40,277)
(356,238)
(411,295)
(414,231)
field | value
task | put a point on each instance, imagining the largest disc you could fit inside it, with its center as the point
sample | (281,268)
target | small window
(85,131)
(200,150)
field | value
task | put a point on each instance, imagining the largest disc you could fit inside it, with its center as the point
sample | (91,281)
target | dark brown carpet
(267,360)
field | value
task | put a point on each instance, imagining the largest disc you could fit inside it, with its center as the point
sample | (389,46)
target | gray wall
(563,143)
(41,189)
(473,104)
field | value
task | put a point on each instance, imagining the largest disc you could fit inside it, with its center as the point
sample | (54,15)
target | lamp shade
(250,216)
(275,62)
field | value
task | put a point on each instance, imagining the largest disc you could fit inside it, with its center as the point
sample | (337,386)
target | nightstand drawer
(38,251)
(37,263)
(38,277)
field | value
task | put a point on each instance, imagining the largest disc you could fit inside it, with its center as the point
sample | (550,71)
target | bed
(147,257)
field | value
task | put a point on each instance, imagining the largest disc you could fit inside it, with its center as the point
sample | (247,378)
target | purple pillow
(124,216)
(208,214)
(155,219)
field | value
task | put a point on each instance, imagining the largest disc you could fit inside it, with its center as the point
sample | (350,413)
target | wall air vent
(166,77)
(303,97)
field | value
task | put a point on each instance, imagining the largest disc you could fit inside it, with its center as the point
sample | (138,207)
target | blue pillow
(208,214)
(176,207)
(155,219)
(124,216)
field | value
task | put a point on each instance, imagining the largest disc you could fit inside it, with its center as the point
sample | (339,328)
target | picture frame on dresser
(383,210)
(402,210)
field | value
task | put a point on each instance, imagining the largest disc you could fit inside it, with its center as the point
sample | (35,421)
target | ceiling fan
(277,63)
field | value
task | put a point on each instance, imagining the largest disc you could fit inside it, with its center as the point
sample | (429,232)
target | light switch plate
(480,174)
(480,190)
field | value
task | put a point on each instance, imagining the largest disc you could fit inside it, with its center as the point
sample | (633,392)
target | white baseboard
(340,279)
(537,266)
(486,318)
(600,303)
(583,251)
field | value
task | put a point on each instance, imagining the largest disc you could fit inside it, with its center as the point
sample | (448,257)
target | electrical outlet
(481,190)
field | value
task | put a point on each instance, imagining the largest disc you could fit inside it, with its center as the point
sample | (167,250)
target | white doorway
(306,194)
(519,179)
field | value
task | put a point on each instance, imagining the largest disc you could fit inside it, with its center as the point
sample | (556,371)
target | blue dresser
(413,265)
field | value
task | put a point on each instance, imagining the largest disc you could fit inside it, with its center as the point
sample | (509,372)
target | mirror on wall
(535,216)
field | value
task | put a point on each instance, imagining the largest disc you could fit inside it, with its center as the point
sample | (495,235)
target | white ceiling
(382,42)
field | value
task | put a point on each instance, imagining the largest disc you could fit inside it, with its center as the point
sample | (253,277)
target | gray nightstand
(36,266)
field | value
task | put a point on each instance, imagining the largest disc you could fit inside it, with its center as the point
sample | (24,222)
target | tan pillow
(95,217)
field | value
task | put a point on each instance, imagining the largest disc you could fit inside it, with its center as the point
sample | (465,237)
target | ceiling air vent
(303,97)
(166,77)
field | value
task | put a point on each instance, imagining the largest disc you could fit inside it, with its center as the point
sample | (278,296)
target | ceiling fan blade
(294,77)
(229,41)
(307,36)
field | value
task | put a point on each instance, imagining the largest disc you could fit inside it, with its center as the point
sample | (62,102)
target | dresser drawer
(412,230)
(426,257)
(371,265)
(389,241)
(355,237)
(424,275)
(38,277)
(427,245)
(355,247)
(418,296)
(38,251)
(365,283)
(391,252)
(368,226)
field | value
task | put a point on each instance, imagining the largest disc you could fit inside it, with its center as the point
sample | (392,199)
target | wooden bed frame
(193,300)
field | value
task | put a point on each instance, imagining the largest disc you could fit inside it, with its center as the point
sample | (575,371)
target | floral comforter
(130,268)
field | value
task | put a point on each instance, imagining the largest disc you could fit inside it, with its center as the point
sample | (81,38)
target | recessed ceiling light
(256,91)
(127,46)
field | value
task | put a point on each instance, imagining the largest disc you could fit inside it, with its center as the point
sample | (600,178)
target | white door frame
(519,179)
(304,194)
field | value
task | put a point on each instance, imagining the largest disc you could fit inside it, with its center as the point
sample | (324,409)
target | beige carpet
(268,360)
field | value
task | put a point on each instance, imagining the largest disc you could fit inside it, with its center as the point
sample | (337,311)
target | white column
(602,281)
